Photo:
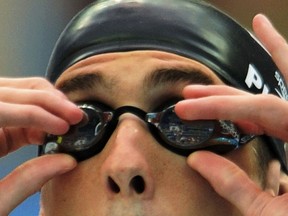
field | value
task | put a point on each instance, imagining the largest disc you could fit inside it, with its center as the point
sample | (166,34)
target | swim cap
(188,28)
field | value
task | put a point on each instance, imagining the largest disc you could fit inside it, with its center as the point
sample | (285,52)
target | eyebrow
(83,82)
(155,78)
(174,75)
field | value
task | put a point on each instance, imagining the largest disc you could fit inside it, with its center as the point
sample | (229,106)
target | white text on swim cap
(283,90)
(255,79)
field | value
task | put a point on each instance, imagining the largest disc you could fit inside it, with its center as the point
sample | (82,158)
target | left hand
(273,42)
(255,114)
(233,184)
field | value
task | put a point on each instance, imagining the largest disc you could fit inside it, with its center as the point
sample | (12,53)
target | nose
(126,171)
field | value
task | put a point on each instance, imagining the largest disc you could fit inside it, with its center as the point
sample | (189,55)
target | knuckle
(236,176)
(30,170)
(47,95)
(264,98)
(31,112)
(259,205)
(49,99)
(39,83)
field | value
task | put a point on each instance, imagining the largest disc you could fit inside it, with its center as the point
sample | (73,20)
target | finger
(272,178)
(254,111)
(273,42)
(283,184)
(29,178)
(30,83)
(45,99)
(30,116)
(13,138)
(229,181)
(198,91)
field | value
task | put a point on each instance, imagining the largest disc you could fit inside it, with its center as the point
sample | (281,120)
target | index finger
(273,42)
(30,83)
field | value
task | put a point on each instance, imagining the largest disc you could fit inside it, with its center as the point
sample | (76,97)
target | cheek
(190,193)
(74,193)
(245,157)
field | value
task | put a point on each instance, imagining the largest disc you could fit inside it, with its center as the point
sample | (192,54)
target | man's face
(134,174)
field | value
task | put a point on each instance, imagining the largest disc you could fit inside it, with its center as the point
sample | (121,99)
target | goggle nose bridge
(129,109)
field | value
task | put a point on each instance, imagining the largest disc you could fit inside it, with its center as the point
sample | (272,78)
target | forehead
(132,60)
(136,73)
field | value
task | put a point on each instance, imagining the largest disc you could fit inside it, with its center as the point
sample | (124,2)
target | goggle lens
(184,134)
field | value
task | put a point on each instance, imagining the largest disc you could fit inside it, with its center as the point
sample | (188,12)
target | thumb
(29,177)
(229,181)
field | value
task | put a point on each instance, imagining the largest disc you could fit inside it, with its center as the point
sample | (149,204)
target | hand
(29,108)
(29,177)
(256,114)
(273,41)
(233,184)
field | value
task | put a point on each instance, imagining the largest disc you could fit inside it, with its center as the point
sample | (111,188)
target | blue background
(30,28)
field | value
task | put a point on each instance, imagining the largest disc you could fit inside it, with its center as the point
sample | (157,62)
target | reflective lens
(81,136)
(184,134)
(194,135)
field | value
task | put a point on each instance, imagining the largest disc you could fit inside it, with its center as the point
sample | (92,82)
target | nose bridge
(126,170)
(125,140)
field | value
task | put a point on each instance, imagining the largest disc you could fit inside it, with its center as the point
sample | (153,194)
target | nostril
(138,184)
(113,186)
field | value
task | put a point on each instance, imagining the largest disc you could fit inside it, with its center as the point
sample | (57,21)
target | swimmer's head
(189,28)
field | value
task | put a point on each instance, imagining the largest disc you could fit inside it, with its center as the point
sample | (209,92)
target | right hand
(30,108)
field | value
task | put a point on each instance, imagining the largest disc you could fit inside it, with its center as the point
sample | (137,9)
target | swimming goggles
(183,137)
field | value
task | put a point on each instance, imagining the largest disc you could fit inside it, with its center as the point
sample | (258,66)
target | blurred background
(30,28)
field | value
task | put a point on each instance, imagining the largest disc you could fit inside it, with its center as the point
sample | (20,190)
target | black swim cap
(185,27)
